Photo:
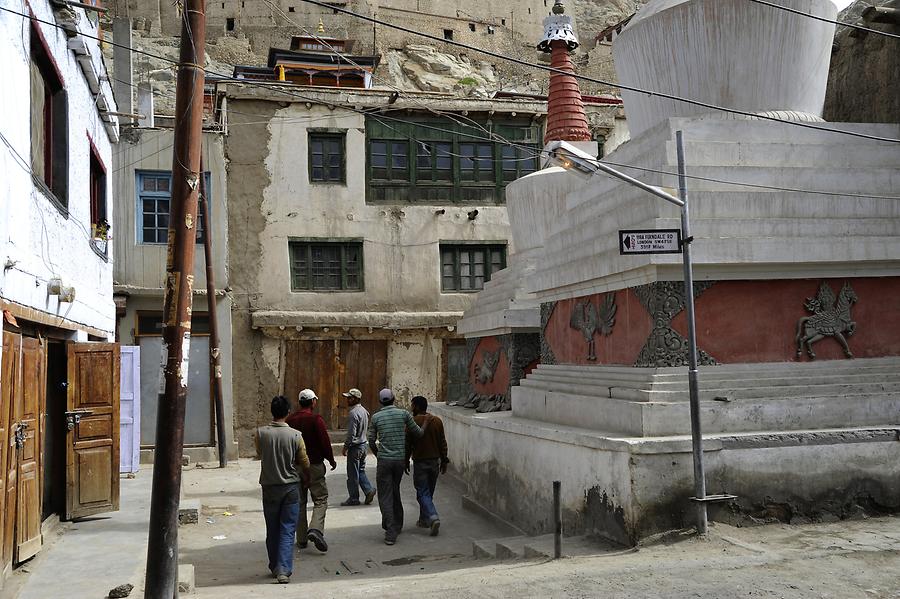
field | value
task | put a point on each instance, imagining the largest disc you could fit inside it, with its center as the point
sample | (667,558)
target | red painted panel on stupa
(756,321)
(489,352)
(569,345)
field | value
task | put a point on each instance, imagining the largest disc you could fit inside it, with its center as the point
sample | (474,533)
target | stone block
(186,578)
(189,512)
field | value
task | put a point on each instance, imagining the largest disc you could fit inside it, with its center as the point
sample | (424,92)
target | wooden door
(8,462)
(331,367)
(30,419)
(92,447)
(363,364)
(312,364)
(130,409)
(457,375)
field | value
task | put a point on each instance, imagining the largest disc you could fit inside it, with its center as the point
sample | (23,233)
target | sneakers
(389,540)
(370,496)
(422,524)
(350,502)
(302,544)
(435,527)
(283,579)
(318,539)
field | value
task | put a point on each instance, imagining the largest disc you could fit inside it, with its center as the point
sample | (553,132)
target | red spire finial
(566,119)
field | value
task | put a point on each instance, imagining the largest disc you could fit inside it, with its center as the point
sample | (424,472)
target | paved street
(840,560)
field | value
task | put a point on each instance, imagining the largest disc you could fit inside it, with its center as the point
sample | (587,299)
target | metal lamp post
(569,157)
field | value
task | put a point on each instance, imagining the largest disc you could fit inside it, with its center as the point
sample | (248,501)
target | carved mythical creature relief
(586,319)
(830,318)
(484,372)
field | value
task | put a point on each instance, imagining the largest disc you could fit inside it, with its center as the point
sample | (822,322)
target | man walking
(284,464)
(389,427)
(429,455)
(355,448)
(318,447)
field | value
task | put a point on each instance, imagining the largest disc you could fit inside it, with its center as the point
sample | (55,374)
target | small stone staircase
(539,547)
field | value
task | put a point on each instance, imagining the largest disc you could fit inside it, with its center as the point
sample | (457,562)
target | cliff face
(864,79)
(408,61)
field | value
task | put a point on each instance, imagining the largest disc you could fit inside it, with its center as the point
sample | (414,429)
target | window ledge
(104,255)
(47,193)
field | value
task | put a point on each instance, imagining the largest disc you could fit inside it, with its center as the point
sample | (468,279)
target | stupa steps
(726,390)
(659,419)
(777,154)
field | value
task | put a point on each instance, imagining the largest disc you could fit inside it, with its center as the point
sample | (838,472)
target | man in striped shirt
(389,427)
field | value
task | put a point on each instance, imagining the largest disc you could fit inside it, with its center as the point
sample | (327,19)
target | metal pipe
(215,368)
(557,520)
(162,547)
(696,434)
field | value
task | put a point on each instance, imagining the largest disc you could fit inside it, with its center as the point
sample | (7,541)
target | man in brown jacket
(429,455)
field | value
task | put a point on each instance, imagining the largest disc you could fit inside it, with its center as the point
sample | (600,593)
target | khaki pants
(318,490)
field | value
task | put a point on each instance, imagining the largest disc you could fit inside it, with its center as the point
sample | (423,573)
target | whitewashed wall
(36,236)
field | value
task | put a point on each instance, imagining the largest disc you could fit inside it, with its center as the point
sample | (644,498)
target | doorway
(331,367)
(54,437)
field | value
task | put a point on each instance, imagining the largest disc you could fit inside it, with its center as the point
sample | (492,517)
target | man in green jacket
(389,427)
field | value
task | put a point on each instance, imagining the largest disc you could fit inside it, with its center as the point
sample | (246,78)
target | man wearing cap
(388,427)
(318,447)
(355,448)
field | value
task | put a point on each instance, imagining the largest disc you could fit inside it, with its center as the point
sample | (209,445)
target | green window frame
(318,265)
(439,161)
(327,157)
(466,267)
(389,159)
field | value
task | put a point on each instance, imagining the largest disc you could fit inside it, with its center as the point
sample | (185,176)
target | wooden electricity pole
(162,549)
(215,367)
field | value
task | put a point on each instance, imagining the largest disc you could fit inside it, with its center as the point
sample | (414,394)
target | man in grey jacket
(355,448)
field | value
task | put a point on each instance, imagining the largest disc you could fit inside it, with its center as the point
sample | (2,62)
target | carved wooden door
(92,416)
(363,365)
(29,445)
(8,462)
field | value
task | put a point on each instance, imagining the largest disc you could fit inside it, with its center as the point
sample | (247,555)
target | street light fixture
(569,157)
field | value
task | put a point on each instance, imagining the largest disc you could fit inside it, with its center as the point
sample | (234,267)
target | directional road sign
(650,241)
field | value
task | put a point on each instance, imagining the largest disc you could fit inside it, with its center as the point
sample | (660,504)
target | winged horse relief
(831,318)
(586,319)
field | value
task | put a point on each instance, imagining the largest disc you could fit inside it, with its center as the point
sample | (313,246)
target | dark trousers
(388,476)
(425,475)
(356,471)
(281,508)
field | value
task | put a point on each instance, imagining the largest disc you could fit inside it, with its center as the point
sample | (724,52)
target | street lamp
(569,157)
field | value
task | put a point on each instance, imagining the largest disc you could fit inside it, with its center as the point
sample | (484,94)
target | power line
(537,153)
(647,92)
(817,18)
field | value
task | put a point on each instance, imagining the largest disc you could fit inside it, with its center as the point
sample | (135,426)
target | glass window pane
(148,183)
(334,147)
(334,174)
(149,235)
(315,146)
(162,183)
(317,160)
(334,160)
(162,206)
(162,221)
(149,206)
(478,283)
(318,173)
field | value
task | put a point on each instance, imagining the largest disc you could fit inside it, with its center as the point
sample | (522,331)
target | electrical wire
(817,18)
(537,153)
(514,60)
(639,90)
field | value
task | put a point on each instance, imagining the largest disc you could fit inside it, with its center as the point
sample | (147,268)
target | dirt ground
(842,560)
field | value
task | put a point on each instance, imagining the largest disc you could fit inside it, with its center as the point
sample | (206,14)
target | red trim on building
(35,26)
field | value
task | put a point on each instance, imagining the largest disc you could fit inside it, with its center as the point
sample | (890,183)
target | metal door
(130,409)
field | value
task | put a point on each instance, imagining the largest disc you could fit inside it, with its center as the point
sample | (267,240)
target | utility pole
(215,368)
(162,549)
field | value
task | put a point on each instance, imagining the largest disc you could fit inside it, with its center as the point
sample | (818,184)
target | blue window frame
(154,193)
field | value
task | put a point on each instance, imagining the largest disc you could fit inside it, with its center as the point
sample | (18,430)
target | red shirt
(315,435)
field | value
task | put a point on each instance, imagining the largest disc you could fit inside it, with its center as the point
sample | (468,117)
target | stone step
(732,390)
(505,548)
(862,364)
(649,419)
(539,547)
(800,154)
